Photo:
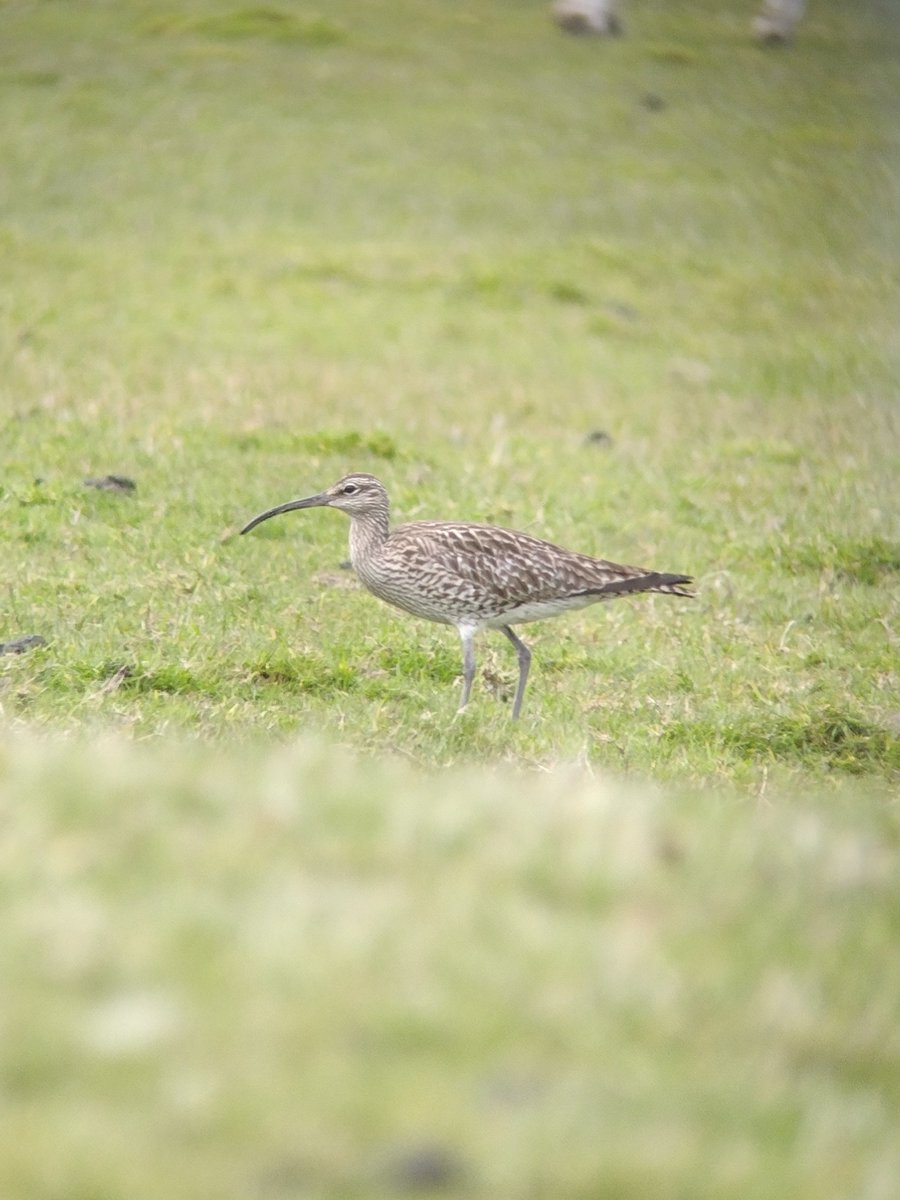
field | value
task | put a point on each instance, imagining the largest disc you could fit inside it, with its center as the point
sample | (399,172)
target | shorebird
(468,575)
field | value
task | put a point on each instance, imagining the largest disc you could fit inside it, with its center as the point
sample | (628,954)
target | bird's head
(357,495)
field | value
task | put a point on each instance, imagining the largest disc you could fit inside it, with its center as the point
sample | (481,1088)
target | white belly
(539,609)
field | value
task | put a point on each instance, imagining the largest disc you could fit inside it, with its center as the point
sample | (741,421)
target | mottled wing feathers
(506,569)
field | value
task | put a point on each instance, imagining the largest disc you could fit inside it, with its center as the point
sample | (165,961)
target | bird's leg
(467,635)
(524,663)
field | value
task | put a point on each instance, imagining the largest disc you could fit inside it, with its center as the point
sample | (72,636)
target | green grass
(248,248)
(240,263)
(291,973)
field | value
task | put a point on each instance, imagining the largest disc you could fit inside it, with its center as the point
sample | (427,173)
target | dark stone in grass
(20,644)
(772,37)
(626,312)
(423,1167)
(670,850)
(112,483)
(286,1177)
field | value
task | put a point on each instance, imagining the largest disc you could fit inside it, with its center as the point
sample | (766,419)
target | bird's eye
(349,489)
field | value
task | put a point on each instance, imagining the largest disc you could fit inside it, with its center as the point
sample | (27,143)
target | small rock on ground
(112,483)
(19,645)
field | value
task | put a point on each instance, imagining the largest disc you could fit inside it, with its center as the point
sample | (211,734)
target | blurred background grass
(639,297)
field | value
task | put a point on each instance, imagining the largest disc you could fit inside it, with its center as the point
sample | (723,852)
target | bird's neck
(368,534)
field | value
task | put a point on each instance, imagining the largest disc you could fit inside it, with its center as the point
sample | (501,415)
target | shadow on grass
(254,21)
(441,665)
(376,679)
(836,740)
(173,679)
(323,443)
(304,674)
(858,560)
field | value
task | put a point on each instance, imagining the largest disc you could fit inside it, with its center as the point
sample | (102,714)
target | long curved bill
(317,501)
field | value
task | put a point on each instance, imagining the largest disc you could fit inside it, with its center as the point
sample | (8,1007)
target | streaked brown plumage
(471,576)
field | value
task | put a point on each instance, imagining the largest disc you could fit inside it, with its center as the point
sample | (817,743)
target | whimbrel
(471,576)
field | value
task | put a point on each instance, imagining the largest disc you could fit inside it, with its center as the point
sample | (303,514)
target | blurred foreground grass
(285,973)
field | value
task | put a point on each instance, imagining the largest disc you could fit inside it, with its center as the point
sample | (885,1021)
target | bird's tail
(653,581)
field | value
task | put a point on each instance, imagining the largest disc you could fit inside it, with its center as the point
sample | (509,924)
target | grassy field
(277,923)
(289,974)
(241,261)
